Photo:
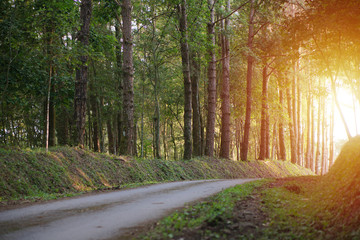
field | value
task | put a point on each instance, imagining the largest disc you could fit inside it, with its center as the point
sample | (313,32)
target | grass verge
(36,174)
(211,219)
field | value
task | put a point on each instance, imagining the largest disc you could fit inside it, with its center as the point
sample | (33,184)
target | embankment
(70,170)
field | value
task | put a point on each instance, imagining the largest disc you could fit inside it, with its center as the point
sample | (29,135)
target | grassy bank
(308,207)
(65,171)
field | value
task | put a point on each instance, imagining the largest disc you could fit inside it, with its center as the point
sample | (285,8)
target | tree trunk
(196,124)
(173,140)
(52,119)
(211,114)
(225,91)
(250,61)
(318,153)
(119,75)
(110,136)
(312,143)
(282,147)
(274,147)
(293,119)
(323,141)
(187,81)
(291,127)
(331,147)
(128,71)
(95,126)
(264,135)
(308,121)
(282,150)
(299,130)
(81,72)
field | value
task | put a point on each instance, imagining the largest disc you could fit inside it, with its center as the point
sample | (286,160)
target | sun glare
(350,108)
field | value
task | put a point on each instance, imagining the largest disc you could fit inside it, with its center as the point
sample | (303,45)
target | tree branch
(241,6)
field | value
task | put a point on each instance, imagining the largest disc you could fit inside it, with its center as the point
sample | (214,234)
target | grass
(296,208)
(33,174)
(214,211)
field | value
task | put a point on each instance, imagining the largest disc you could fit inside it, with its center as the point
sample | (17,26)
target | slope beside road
(107,215)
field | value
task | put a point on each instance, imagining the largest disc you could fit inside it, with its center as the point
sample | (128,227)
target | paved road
(105,216)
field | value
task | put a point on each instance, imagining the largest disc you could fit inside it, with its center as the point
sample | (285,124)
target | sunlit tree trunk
(299,127)
(274,148)
(291,128)
(264,135)
(308,127)
(282,147)
(331,133)
(81,71)
(318,152)
(225,93)
(249,75)
(312,144)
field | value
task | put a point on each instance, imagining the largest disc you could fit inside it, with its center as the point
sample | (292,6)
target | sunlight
(350,109)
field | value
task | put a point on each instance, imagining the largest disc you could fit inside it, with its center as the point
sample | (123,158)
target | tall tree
(128,71)
(211,103)
(249,76)
(264,128)
(187,81)
(225,90)
(82,71)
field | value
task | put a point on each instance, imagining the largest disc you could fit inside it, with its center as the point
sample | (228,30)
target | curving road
(110,215)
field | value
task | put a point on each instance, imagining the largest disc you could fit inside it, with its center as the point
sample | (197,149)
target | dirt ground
(247,221)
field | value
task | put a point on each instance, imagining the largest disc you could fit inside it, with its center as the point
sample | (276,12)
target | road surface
(105,216)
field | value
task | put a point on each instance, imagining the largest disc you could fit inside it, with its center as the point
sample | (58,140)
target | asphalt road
(107,215)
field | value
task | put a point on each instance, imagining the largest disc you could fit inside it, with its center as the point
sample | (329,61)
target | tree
(82,71)
(225,93)
(249,76)
(128,86)
(211,102)
(187,81)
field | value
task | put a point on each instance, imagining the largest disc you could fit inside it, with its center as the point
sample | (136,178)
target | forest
(177,79)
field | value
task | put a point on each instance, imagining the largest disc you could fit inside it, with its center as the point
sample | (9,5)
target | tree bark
(250,61)
(282,150)
(318,153)
(187,81)
(293,117)
(110,136)
(196,124)
(291,127)
(308,124)
(211,108)
(264,135)
(331,147)
(128,71)
(225,93)
(82,72)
